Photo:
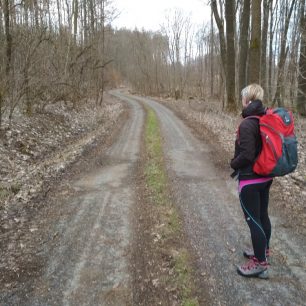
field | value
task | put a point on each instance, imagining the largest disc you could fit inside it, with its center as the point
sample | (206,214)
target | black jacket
(248,143)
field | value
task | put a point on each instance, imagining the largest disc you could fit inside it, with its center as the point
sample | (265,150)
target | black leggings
(254,201)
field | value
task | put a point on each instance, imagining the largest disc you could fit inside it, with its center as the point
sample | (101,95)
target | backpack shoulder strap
(257,117)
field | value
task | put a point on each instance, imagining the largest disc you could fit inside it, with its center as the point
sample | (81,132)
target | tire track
(74,283)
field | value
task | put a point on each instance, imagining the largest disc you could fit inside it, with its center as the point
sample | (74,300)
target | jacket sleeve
(248,132)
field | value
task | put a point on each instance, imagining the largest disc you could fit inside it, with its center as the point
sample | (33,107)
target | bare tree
(219,20)
(244,43)
(177,29)
(283,55)
(75,6)
(255,45)
(227,48)
(270,61)
(301,96)
(230,63)
(8,36)
(264,38)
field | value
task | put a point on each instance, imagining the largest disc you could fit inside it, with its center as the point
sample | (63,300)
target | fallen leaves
(38,148)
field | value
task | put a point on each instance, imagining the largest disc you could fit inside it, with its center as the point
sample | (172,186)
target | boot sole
(262,275)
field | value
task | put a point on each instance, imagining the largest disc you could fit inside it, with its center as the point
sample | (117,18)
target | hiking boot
(249,253)
(254,268)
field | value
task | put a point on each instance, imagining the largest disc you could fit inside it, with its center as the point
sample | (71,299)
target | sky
(150,14)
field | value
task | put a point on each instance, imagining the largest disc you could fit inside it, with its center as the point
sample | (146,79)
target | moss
(185,284)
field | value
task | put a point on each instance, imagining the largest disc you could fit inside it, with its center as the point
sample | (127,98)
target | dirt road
(89,263)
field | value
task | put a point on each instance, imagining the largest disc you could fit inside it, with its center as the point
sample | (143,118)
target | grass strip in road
(168,230)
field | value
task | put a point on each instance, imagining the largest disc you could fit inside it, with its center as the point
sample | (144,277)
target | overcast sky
(150,14)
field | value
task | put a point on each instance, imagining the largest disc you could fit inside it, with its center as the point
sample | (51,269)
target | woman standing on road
(253,188)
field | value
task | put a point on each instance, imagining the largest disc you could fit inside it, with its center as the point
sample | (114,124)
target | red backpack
(278,155)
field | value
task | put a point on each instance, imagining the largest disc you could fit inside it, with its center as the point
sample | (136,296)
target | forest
(115,153)
(69,52)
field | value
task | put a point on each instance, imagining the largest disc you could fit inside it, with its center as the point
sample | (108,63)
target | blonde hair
(253,92)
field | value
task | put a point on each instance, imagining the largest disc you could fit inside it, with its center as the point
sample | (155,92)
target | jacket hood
(255,108)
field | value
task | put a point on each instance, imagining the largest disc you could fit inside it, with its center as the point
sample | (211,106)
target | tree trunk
(212,72)
(231,54)
(220,26)
(103,50)
(75,19)
(85,25)
(92,16)
(1,33)
(36,13)
(244,44)
(26,15)
(29,110)
(301,96)
(282,59)
(59,15)
(1,105)
(269,95)
(263,64)
(255,45)
(223,51)
(1,20)
(49,16)
(8,37)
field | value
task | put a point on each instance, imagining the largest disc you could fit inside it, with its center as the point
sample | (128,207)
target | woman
(253,188)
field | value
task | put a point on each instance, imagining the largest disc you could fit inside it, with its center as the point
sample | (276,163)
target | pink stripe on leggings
(253,181)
